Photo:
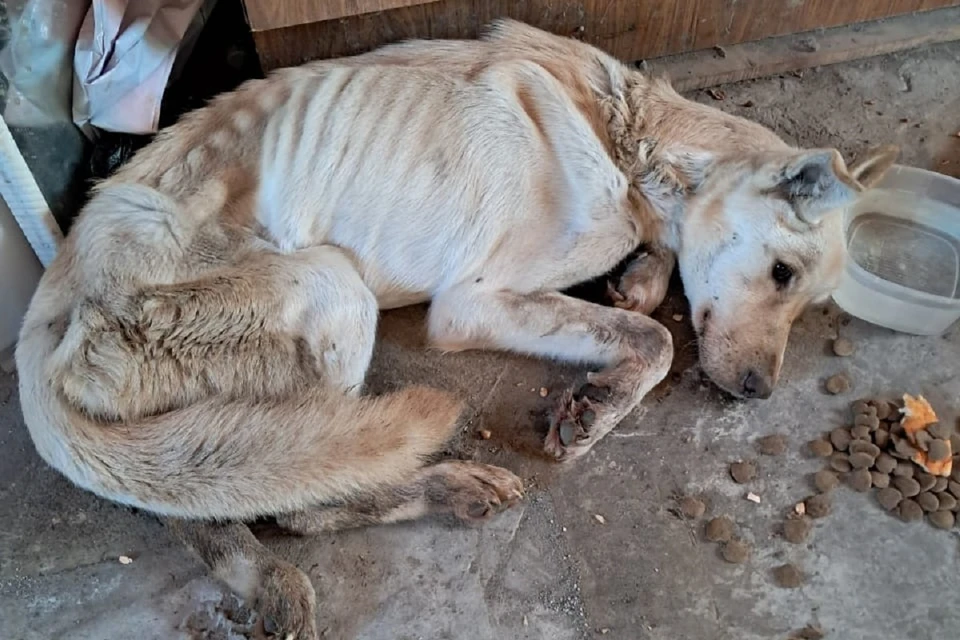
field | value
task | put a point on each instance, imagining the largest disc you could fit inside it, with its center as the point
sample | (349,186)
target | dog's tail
(231,459)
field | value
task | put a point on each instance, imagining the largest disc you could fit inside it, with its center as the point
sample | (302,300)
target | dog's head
(762,238)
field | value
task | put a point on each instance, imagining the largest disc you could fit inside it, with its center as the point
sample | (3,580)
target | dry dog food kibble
(938,451)
(861,461)
(885,463)
(719,529)
(788,576)
(884,408)
(954,488)
(909,510)
(881,437)
(860,432)
(838,384)
(743,472)
(879,480)
(872,423)
(692,507)
(840,462)
(903,470)
(939,485)
(865,446)
(928,501)
(736,551)
(939,431)
(859,480)
(861,406)
(942,519)
(923,440)
(843,347)
(902,448)
(925,480)
(825,480)
(821,448)
(947,502)
(796,530)
(818,506)
(907,486)
(889,499)
(840,438)
(772,445)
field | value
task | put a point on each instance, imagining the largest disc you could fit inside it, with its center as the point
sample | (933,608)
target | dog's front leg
(634,350)
(644,283)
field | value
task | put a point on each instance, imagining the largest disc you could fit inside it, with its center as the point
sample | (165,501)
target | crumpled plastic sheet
(124,53)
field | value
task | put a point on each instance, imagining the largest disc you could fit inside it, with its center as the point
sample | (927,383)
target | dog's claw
(270,626)
(588,417)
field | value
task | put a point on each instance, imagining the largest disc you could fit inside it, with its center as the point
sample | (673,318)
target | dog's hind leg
(635,350)
(471,491)
(645,281)
(280,592)
(264,327)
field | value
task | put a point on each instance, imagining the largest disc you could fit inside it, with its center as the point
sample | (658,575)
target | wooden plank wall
(629,29)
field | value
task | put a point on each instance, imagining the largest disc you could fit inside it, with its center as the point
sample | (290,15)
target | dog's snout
(755,385)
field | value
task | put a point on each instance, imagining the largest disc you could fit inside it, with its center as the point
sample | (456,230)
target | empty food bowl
(903,241)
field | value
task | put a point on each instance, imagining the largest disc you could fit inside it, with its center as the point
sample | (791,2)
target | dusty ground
(549,569)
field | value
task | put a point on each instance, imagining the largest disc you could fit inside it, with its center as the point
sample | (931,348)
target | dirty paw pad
(570,429)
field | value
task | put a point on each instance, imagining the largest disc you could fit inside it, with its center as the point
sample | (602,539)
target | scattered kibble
(692,508)
(743,472)
(736,551)
(788,576)
(719,529)
(796,530)
(772,445)
(819,506)
(843,347)
(838,384)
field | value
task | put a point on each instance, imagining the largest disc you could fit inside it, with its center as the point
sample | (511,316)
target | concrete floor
(549,569)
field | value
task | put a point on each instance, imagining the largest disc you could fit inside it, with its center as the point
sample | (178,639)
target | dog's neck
(665,146)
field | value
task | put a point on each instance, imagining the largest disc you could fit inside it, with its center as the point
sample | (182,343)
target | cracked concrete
(550,569)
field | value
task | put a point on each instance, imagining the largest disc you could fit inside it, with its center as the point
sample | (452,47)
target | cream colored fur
(198,347)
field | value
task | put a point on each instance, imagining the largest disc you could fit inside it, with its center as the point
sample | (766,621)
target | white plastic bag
(124,53)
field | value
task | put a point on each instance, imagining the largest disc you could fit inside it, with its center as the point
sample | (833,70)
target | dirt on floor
(600,547)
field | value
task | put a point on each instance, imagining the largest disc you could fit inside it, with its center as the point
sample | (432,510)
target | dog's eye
(782,274)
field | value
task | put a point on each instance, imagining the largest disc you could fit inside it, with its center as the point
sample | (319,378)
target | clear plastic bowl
(903,241)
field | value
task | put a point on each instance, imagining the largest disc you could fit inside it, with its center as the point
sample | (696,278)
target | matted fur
(198,346)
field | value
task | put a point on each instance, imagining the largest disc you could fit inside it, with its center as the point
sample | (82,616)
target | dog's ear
(815,183)
(869,169)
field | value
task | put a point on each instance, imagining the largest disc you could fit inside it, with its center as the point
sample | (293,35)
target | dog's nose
(755,385)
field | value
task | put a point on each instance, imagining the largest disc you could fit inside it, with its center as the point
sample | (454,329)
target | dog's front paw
(579,422)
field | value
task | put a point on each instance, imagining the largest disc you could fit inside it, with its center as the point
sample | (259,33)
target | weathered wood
(629,29)
(734,63)
(276,14)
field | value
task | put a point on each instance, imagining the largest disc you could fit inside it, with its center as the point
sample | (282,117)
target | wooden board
(629,29)
(276,14)
(769,57)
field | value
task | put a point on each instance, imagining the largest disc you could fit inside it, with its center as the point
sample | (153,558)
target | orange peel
(917,416)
